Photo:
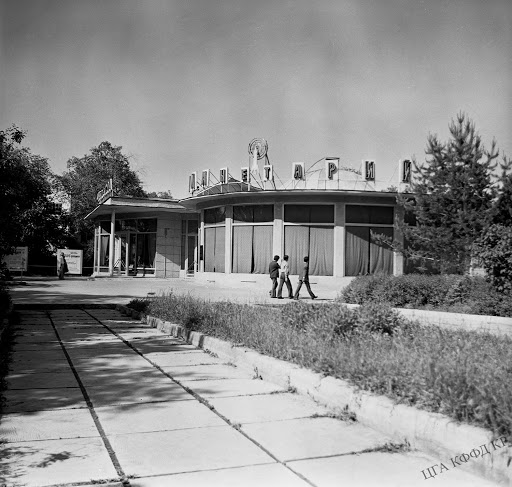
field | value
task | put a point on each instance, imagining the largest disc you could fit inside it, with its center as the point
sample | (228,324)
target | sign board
(405,171)
(74,259)
(105,193)
(17,261)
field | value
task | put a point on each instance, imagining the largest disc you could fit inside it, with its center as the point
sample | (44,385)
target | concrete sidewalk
(80,290)
(95,397)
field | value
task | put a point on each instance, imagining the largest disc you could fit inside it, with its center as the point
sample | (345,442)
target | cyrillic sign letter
(298,171)
(205,178)
(192,182)
(268,173)
(331,167)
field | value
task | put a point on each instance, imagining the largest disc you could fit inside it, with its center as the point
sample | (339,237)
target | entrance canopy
(126,231)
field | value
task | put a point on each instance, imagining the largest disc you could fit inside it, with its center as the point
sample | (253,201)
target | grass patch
(465,375)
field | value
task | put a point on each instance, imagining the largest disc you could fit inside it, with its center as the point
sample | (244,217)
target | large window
(309,231)
(252,238)
(139,234)
(363,253)
(214,239)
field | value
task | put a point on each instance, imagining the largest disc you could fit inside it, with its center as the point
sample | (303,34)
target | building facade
(230,230)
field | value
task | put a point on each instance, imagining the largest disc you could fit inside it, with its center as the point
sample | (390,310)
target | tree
(27,215)
(503,205)
(453,194)
(87,175)
(160,194)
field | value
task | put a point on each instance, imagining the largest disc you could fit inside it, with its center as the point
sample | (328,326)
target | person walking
(63,266)
(304,278)
(273,269)
(284,277)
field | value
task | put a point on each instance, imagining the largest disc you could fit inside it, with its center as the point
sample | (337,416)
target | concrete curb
(433,433)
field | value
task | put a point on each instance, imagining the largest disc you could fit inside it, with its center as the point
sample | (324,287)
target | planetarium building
(234,222)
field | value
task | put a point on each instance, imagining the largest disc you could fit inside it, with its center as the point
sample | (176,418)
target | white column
(278,237)
(97,249)
(201,242)
(398,258)
(127,255)
(339,240)
(228,236)
(111,249)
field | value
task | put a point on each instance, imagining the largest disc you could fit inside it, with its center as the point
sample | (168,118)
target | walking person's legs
(274,287)
(289,286)
(298,289)
(280,288)
(308,287)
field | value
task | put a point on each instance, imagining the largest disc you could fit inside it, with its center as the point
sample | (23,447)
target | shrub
(364,288)
(494,250)
(376,317)
(455,293)
(140,305)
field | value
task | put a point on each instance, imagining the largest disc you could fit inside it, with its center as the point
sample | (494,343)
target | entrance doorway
(191,261)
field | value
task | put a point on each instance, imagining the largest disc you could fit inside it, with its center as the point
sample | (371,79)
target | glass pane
(105,227)
(183,255)
(183,226)
(129,225)
(264,213)
(322,214)
(382,215)
(215,215)
(243,214)
(357,214)
(192,226)
(147,225)
(297,213)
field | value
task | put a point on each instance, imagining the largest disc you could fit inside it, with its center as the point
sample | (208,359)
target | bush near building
(464,375)
(455,293)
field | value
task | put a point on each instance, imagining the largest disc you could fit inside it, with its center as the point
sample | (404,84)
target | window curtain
(104,249)
(151,249)
(262,248)
(381,256)
(357,253)
(321,251)
(296,246)
(242,249)
(209,249)
(220,249)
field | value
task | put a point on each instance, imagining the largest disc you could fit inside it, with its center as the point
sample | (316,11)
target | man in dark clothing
(273,269)
(304,278)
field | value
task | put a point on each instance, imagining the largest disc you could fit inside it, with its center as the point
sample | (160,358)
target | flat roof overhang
(291,195)
(136,206)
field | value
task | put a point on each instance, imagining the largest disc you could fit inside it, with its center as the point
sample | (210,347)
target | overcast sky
(185,85)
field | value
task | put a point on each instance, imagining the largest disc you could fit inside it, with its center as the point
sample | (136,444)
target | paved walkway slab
(41,399)
(165,452)
(180,359)
(274,475)
(156,416)
(207,372)
(381,470)
(325,436)
(266,407)
(44,463)
(31,380)
(231,387)
(48,425)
